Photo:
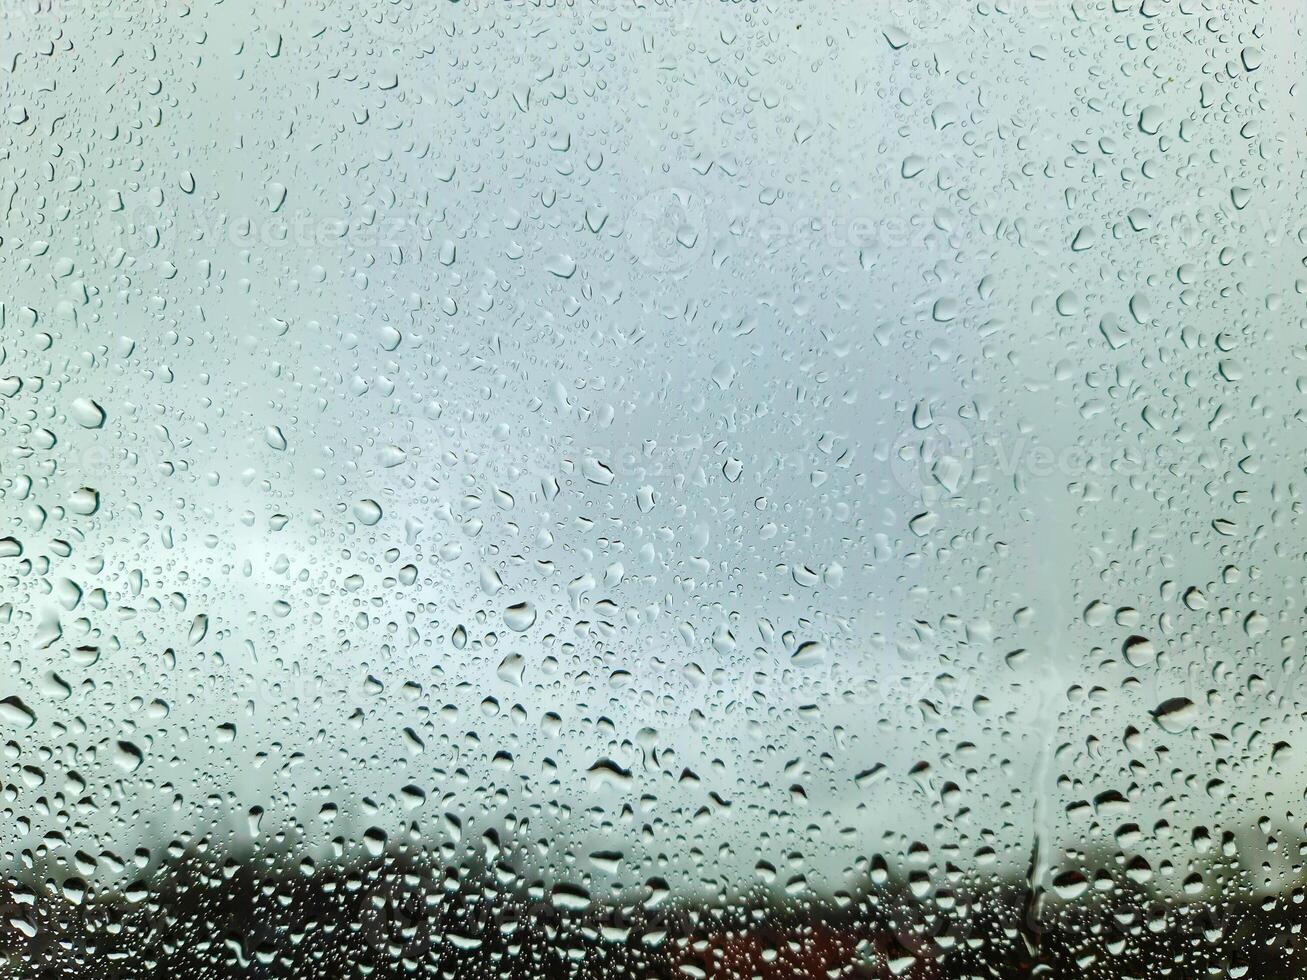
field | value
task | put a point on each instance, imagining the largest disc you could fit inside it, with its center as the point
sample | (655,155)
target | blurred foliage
(203,915)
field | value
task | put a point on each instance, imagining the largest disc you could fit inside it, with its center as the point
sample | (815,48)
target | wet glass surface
(711,489)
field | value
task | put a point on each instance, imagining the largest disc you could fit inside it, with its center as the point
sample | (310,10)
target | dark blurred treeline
(204,916)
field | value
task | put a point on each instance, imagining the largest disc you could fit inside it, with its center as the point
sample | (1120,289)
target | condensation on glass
(711,489)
